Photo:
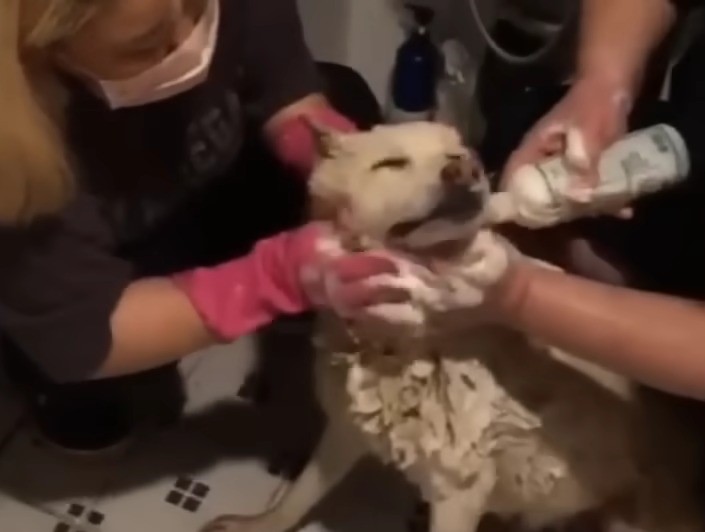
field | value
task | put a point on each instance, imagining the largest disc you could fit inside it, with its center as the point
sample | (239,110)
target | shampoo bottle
(416,71)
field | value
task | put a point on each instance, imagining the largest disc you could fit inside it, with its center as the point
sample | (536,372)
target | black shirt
(60,281)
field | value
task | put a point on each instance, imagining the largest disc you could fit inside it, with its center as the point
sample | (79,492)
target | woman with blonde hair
(147,147)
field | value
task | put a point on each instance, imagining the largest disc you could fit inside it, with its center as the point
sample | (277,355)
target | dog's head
(414,186)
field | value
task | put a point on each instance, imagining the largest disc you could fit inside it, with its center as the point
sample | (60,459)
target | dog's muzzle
(458,204)
(463,194)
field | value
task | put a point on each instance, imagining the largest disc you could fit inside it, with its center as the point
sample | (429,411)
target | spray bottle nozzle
(423,15)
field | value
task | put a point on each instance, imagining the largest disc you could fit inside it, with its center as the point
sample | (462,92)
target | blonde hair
(36,177)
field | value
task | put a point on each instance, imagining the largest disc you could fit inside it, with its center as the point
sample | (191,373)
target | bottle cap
(532,185)
(528,201)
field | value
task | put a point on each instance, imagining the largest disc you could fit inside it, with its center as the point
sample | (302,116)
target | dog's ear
(328,143)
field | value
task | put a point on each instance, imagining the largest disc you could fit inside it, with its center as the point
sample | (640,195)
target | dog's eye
(397,163)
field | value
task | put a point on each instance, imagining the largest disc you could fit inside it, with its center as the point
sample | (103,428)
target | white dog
(481,419)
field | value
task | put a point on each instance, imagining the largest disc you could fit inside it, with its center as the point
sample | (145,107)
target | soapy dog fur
(481,419)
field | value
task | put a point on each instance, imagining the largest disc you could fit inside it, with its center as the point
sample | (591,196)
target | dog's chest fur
(435,418)
(485,408)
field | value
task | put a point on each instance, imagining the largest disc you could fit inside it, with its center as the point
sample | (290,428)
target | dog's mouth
(450,224)
(458,206)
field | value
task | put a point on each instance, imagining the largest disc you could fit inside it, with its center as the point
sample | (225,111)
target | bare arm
(618,36)
(616,40)
(654,339)
(158,321)
(154,324)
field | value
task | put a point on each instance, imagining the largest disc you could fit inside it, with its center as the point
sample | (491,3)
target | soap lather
(641,163)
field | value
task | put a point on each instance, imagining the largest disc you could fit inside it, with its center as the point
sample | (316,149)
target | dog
(481,419)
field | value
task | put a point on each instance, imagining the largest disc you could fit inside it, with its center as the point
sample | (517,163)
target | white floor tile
(17,517)
(217,374)
(244,346)
(287,417)
(179,481)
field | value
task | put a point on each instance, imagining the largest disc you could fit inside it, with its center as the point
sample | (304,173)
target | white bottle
(641,163)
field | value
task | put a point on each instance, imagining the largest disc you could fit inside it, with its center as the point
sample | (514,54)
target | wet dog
(480,418)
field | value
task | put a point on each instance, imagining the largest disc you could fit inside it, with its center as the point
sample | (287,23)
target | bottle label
(641,163)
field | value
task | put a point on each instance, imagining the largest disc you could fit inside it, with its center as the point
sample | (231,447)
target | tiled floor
(215,461)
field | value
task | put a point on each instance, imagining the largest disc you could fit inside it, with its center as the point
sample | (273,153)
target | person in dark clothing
(641,314)
(149,151)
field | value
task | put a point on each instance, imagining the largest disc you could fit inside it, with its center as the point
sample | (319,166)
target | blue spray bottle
(415,72)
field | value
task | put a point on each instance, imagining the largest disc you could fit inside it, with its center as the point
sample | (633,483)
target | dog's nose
(462,171)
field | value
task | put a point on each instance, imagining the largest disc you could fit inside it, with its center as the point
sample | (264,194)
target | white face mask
(179,72)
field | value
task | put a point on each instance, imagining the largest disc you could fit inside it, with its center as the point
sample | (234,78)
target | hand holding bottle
(643,162)
(590,118)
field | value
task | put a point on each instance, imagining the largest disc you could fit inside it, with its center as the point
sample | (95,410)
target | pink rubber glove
(293,141)
(285,274)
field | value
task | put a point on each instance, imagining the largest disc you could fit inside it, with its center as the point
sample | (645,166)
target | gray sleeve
(279,68)
(59,284)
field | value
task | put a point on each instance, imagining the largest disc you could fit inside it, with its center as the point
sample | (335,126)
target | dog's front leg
(339,450)
(463,511)
(456,514)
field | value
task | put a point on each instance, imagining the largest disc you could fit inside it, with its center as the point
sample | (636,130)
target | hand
(334,279)
(475,290)
(591,117)
(481,279)
(285,274)
(292,138)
